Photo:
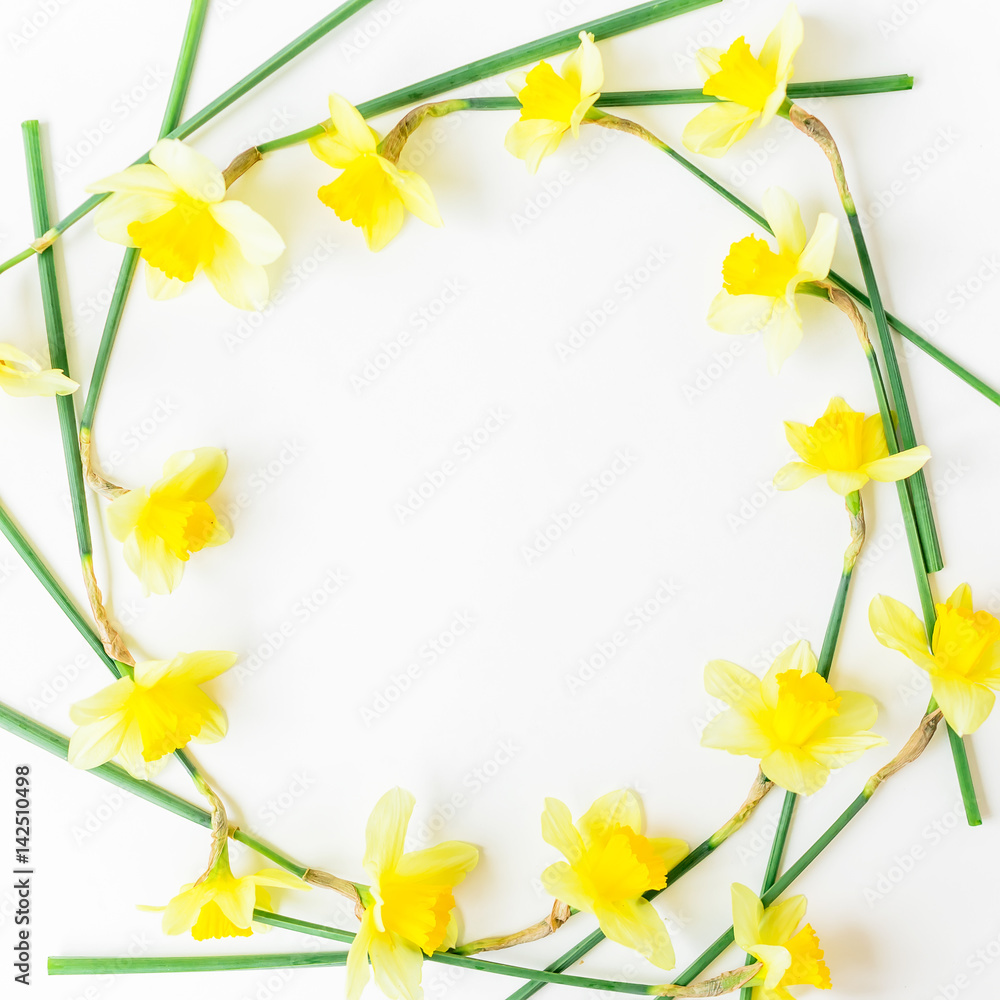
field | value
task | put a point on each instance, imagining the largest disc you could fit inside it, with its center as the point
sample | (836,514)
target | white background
(318,465)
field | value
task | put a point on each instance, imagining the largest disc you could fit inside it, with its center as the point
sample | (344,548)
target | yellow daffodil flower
(848,448)
(412,902)
(759,285)
(22,375)
(373,193)
(964,658)
(608,867)
(749,89)
(792,721)
(552,103)
(143,718)
(161,527)
(790,956)
(219,905)
(175,210)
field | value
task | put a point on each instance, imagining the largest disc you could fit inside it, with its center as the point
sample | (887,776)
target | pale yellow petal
(961,597)
(259,241)
(845,483)
(559,831)
(534,139)
(636,924)
(241,283)
(386,831)
(817,257)
(385,225)
(416,195)
(562,882)
(357,958)
(583,69)
(707,62)
(237,902)
(107,701)
(736,733)
(838,751)
(781,920)
(158,569)
(192,475)
(670,849)
(737,687)
(783,216)
(48,382)
(443,864)
(202,666)
(97,742)
(159,287)
(795,771)
(350,127)
(897,627)
(740,314)
(397,965)
(619,808)
(782,334)
(781,45)
(711,132)
(192,172)
(902,465)
(182,911)
(965,704)
(856,713)
(748,912)
(794,474)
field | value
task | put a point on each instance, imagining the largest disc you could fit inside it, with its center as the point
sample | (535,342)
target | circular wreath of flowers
(174,212)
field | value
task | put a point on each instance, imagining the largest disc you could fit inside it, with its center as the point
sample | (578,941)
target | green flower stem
(812,127)
(639,16)
(56,334)
(295,48)
(171,116)
(914,747)
(609,99)
(831,637)
(761,787)
(201,963)
(898,325)
(55,743)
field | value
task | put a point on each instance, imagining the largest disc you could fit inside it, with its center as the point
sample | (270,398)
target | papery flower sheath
(609,866)
(372,192)
(412,902)
(161,527)
(22,375)
(552,103)
(759,285)
(143,718)
(175,210)
(219,905)
(750,89)
(963,661)
(848,448)
(792,721)
(790,955)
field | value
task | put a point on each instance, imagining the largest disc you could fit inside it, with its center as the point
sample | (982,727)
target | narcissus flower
(759,285)
(175,210)
(161,527)
(411,911)
(609,865)
(792,721)
(964,658)
(22,375)
(849,449)
(373,193)
(790,956)
(142,718)
(750,89)
(552,103)
(219,905)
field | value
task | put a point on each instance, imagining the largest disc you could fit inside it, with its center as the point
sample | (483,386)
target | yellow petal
(559,831)
(795,770)
(562,882)
(196,175)
(794,474)
(583,69)
(182,911)
(844,483)
(107,701)
(961,597)
(619,808)
(397,965)
(386,831)
(635,924)
(740,314)
(444,864)
(97,742)
(782,335)
(965,704)
(158,569)
(192,475)
(817,257)
(416,195)
(781,45)
(259,241)
(795,656)
(534,139)
(897,627)
(350,128)
(736,733)
(711,132)
(748,912)
(202,666)
(159,287)
(732,684)
(783,216)
(238,281)
(357,958)
(899,466)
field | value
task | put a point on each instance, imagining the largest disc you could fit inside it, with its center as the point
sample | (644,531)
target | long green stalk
(201,963)
(171,116)
(55,743)
(610,99)
(56,335)
(604,27)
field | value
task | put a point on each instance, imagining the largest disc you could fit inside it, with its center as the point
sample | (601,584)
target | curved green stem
(171,116)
